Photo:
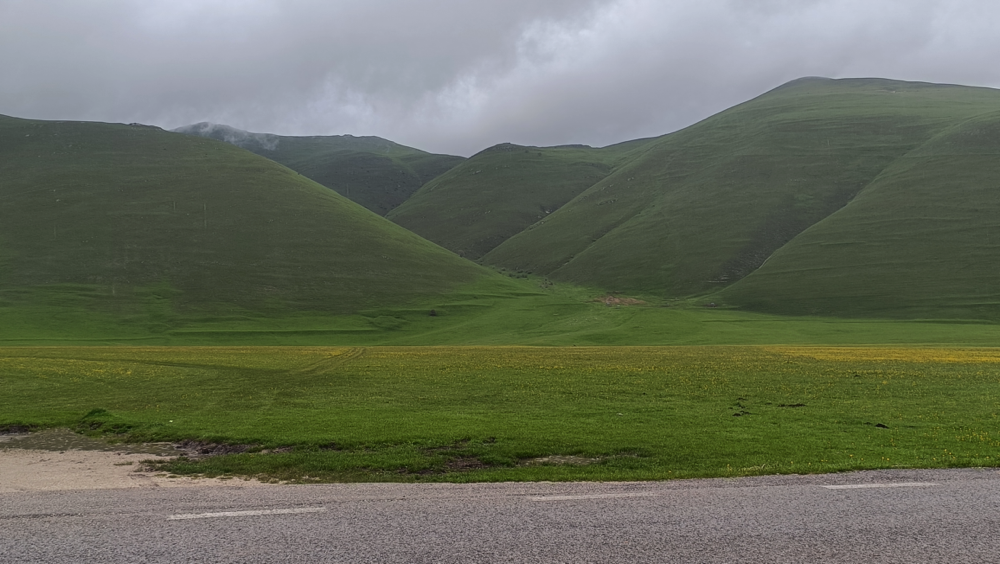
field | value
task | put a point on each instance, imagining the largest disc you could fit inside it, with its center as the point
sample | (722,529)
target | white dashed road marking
(246,513)
(895,485)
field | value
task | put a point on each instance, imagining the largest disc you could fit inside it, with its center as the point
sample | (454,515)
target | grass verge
(522,413)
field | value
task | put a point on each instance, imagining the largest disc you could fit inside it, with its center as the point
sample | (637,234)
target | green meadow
(522,413)
(805,282)
(496,311)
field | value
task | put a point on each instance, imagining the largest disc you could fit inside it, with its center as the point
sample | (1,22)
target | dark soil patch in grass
(59,440)
(462,464)
(457,464)
(201,449)
(15,429)
(457,445)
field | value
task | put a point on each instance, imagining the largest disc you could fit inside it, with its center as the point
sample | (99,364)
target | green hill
(700,209)
(139,223)
(855,198)
(501,191)
(921,240)
(374,172)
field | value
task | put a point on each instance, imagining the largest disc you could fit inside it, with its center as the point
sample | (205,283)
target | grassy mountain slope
(501,191)
(136,221)
(921,240)
(702,208)
(374,172)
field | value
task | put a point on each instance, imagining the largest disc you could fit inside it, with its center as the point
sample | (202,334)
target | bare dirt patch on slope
(612,300)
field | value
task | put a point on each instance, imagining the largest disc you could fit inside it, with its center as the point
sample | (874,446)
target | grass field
(493,311)
(400,360)
(524,413)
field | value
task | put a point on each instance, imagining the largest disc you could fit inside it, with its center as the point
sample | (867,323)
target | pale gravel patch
(568,460)
(41,470)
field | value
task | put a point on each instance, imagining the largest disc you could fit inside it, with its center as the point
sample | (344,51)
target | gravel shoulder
(59,460)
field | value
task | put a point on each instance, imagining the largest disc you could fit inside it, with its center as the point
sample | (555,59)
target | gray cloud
(459,75)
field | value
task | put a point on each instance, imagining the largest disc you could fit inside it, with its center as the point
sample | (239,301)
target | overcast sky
(458,76)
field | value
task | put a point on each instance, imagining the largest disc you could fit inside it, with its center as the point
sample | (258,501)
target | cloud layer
(460,75)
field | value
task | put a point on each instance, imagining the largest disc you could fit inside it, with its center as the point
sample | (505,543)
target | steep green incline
(374,172)
(921,240)
(136,220)
(501,191)
(702,208)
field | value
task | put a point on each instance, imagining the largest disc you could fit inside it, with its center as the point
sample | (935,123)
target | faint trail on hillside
(125,360)
(331,362)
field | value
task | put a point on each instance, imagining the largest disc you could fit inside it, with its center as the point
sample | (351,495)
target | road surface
(948,516)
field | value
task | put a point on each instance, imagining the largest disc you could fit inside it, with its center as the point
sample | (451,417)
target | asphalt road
(897,516)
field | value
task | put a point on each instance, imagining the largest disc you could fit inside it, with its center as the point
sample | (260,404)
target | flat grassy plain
(523,413)
(495,311)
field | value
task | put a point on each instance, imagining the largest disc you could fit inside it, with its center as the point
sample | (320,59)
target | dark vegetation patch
(331,462)
(98,422)
(401,462)
(16,429)
(739,410)
(200,449)
(464,464)
(450,465)
(456,446)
